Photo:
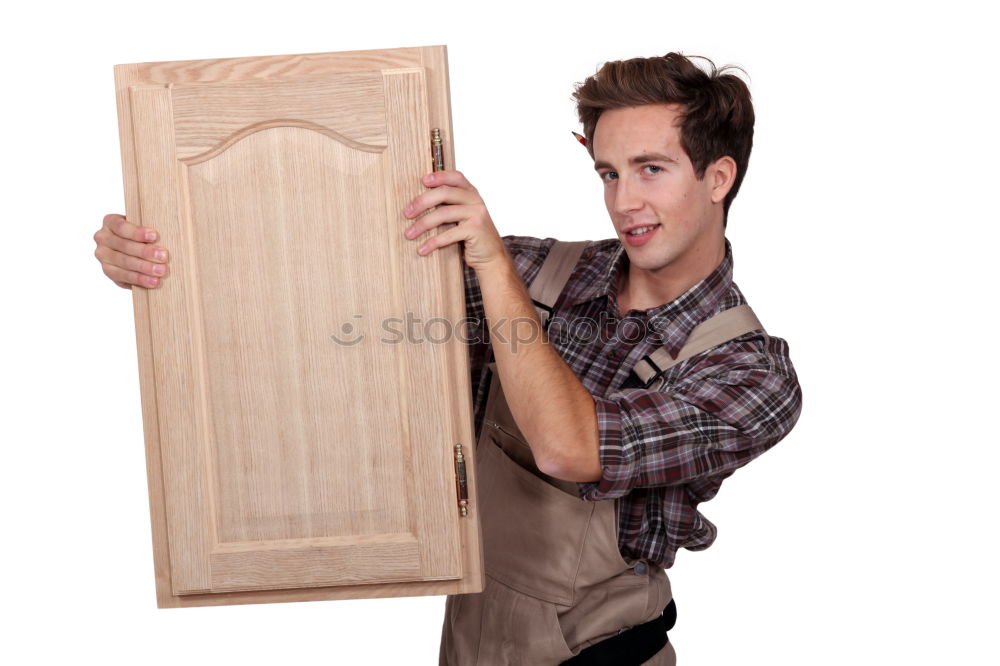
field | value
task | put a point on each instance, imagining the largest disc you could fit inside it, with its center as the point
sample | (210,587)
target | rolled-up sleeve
(716,412)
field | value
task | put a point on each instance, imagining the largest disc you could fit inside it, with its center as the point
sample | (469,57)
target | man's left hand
(457,201)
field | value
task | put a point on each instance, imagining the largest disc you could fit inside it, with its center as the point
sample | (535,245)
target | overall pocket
(533,533)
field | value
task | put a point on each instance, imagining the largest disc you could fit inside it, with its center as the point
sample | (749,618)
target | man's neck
(643,289)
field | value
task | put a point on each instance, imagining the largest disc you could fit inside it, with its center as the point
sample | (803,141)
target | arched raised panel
(296,451)
(271,204)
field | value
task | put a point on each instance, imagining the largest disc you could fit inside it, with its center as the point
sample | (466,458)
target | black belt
(632,647)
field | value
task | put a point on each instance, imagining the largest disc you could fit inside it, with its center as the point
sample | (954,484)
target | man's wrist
(500,268)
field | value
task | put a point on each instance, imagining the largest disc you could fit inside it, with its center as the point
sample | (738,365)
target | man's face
(650,187)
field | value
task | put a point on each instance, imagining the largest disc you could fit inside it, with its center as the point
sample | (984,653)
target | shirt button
(640,569)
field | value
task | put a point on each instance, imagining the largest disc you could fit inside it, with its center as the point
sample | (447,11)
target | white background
(864,235)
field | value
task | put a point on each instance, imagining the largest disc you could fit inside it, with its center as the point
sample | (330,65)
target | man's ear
(721,175)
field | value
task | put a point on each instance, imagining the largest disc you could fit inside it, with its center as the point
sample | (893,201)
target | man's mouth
(636,236)
(638,231)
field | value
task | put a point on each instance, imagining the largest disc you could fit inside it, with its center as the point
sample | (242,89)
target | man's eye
(653,168)
(609,175)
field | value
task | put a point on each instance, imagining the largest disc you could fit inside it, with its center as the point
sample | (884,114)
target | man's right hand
(127,254)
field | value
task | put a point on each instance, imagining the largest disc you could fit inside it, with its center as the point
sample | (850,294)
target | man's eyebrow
(639,159)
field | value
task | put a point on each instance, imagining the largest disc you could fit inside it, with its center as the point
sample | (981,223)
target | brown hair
(717,118)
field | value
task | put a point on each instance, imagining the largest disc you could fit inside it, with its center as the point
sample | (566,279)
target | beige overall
(556,581)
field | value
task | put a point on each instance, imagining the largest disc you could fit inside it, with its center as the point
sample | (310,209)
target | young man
(600,435)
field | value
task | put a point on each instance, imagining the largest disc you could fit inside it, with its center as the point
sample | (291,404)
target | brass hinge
(437,149)
(461,481)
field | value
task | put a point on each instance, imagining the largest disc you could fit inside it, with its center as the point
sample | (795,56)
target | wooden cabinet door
(300,426)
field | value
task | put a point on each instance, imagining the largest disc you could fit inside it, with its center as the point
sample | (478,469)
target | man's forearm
(554,411)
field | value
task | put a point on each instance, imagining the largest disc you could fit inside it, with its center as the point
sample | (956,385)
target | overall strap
(722,327)
(553,275)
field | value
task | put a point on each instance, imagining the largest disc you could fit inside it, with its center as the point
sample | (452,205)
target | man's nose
(627,197)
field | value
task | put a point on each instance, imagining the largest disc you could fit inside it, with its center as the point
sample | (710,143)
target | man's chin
(649,257)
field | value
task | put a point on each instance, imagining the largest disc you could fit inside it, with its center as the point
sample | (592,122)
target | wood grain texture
(217,146)
(423,292)
(390,557)
(179,367)
(206,115)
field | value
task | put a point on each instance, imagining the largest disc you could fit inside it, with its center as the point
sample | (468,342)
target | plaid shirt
(663,450)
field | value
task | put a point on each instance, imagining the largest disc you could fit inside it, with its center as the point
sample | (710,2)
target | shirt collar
(671,322)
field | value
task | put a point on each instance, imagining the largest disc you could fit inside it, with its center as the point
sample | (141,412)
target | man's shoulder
(538,248)
(529,254)
(527,245)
